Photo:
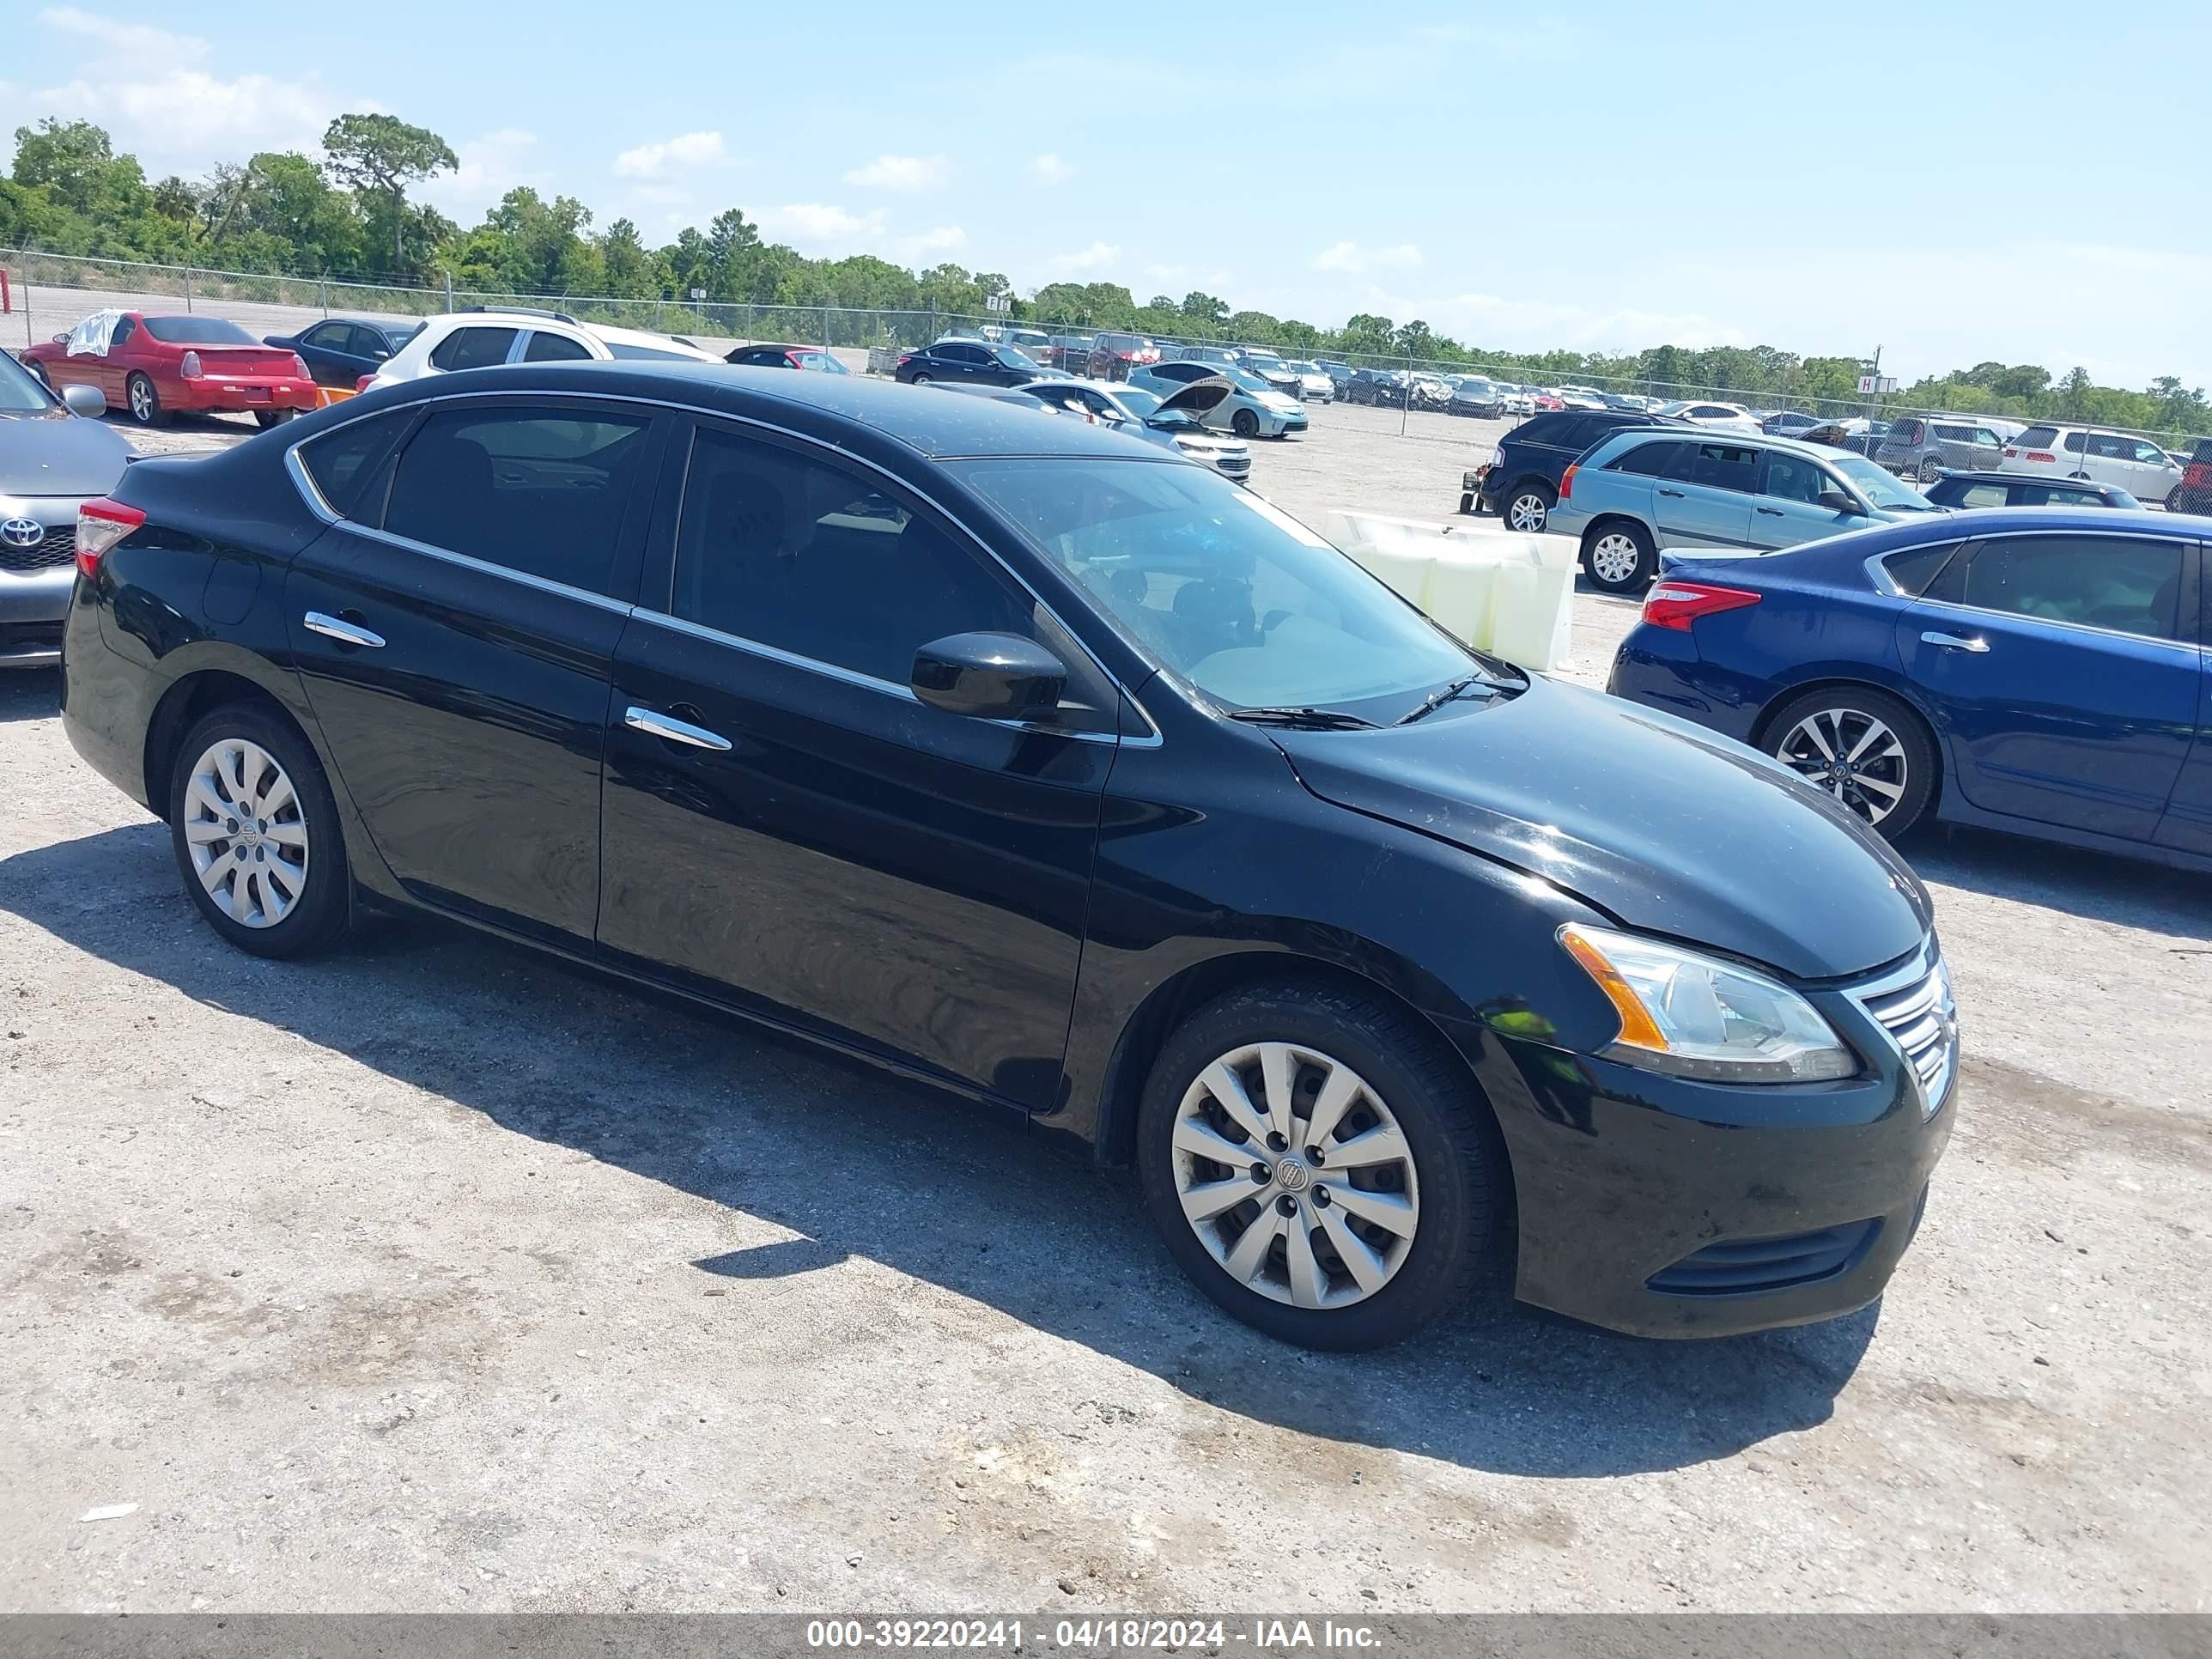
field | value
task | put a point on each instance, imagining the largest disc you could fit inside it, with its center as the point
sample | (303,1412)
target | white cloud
(135,44)
(1097,257)
(821,227)
(1352,257)
(942,239)
(1051,169)
(491,165)
(688,150)
(903,172)
(149,93)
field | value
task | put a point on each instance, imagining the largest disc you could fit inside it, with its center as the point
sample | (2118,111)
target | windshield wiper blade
(1456,689)
(1314,719)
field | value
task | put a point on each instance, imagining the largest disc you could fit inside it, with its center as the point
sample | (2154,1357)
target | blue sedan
(2043,672)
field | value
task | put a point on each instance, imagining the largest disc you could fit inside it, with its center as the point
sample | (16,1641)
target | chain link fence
(51,291)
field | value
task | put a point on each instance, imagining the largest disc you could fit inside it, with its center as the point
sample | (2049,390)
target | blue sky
(1951,183)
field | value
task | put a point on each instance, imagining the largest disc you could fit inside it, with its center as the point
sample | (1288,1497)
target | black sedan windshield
(1227,592)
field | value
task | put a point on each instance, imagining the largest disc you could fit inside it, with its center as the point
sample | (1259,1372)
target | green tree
(382,155)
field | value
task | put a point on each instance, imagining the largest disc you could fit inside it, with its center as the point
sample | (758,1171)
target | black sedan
(1027,761)
(968,362)
(339,350)
(1390,387)
(1968,489)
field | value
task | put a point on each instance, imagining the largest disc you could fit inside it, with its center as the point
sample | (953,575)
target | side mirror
(990,677)
(87,400)
(1834,500)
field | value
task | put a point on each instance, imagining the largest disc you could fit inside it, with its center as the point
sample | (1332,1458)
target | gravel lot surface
(434,1275)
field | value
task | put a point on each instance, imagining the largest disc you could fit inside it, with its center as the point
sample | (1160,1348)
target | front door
(457,644)
(1705,499)
(2061,677)
(813,843)
(1788,509)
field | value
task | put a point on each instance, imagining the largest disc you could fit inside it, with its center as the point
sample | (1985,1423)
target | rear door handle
(1774,512)
(676,731)
(1954,641)
(335,628)
(1676,493)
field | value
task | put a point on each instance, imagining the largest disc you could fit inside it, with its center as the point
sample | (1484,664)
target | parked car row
(908,736)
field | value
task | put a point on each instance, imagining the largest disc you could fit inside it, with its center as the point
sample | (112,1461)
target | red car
(156,366)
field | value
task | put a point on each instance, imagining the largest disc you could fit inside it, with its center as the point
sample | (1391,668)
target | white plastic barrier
(1511,595)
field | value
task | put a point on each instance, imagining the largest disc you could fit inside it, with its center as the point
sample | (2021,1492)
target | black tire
(1466,503)
(2173,499)
(38,370)
(919,379)
(1534,499)
(142,401)
(1639,576)
(267,418)
(1244,423)
(1915,742)
(322,909)
(1457,1156)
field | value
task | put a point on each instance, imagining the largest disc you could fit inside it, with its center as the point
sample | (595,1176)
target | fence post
(825,331)
(449,290)
(188,288)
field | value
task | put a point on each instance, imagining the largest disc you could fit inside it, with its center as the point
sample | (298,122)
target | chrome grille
(1922,1020)
(59,548)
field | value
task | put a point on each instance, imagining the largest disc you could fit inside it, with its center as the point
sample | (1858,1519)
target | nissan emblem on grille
(22,532)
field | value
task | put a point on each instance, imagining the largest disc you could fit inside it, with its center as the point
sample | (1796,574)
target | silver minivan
(1927,446)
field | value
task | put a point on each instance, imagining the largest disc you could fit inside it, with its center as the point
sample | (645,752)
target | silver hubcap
(248,835)
(1852,756)
(1294,1176)
(1930,471)
(1613,558)
(1527,513)
(142,399)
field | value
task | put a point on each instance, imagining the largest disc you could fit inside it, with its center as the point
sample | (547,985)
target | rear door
(455,632)
(2111,459)
(2065,677)
(2188,821)
(1786,509)
(825,849)
(1706,501)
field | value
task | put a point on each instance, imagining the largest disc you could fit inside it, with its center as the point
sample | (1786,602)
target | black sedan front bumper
(1661,1206)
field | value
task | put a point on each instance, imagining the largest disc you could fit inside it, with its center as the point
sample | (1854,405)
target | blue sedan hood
(1667,828)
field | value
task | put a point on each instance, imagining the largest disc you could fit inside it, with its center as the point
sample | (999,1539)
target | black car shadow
(2098,886)
(30,694)
(965,1197)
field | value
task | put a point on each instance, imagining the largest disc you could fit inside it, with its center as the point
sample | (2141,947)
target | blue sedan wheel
(1864,748)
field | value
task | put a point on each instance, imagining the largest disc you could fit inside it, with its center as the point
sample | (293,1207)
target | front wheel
(1619,557)
(1320,1166)
(1931,469)
(919,379)
(255,834)
(266,418)
(1244,423)
(2173,499)
(1866,748)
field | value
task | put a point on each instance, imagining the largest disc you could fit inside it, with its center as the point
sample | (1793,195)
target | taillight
(2041,455)
(1567,481)
(2012,454)
(904,361)
(100,525)
(300,370)
(1677,605)
(189,369)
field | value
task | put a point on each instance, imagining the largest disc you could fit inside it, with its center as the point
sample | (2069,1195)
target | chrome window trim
(1151,737)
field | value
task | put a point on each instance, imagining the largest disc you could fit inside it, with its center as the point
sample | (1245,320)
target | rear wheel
(1619,557)
(2174,500)
(255,834)
(1528,507)
(1931,468)
(1866,748)
(269,418)
(1320,1166)
(144,402)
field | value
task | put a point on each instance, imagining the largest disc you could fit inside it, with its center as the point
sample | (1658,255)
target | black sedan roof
(923,419)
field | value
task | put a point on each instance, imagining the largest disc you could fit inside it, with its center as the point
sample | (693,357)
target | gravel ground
(437,1276)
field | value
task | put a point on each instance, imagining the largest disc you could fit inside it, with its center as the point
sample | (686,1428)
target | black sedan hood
(1667,828)
(59,455)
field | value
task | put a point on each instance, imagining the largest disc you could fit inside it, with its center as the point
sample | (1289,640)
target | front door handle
(1954,641)
(1676,493)
(1774,512)
(336,629)
(676,731)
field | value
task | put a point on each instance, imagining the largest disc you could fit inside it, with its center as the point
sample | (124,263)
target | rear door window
(2076,443)
(472,348)
(1722,466)
(538,488)
(549,348)
(1914,569)
(341,462)
(2130,585)
(1980,495)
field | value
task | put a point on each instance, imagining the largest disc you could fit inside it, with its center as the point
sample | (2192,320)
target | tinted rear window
(472,348)
(1906,432)
(2038,437)
(197,330)
(343,461)
(1913,569)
